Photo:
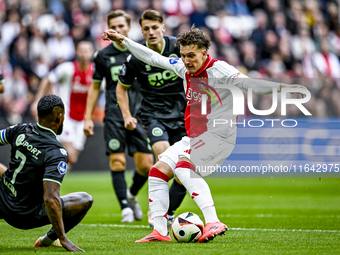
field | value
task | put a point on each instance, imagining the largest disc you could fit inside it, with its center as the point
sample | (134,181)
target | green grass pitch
(265,215)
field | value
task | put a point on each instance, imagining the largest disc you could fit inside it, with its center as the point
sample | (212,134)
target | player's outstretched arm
(91,102)
(145,54)
(54,212)
(263,87)
(130,122)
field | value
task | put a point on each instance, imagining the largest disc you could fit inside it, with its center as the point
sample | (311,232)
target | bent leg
(159,176)
(177,190)
(76,206)
(198,189)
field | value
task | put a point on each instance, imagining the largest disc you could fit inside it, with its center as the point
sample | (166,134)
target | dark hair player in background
(163,101)
(108,63)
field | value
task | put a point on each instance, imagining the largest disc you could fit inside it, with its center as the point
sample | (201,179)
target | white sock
(210,215)
(46,240)
(158,199)
(158,196)
(160,223)
(199,191)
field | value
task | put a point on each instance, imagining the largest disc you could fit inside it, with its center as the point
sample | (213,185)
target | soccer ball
(187,227)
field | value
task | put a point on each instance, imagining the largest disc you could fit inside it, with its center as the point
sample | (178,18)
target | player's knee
(145,165)
(164,168)
(86,199)
(117,163)
(160,147)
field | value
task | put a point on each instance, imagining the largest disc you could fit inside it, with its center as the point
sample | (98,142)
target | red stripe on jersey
(195,122)
(81,82)
(154,172)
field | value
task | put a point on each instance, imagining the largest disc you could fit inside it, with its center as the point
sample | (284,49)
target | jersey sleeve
(98,73)
(62,71)
(128,72)
(55,165)
(155,59)
(7,134)
(232,76)
(4,137)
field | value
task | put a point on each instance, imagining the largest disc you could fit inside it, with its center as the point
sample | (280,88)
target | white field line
(110,215)
(234,229)
(276,216)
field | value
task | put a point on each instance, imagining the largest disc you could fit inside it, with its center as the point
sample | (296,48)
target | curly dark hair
(195,36)
(47,103)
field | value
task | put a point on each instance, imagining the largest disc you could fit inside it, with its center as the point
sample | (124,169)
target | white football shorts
(73,132)
(206,152)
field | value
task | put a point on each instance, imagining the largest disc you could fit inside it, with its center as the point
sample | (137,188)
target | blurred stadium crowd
(293,41)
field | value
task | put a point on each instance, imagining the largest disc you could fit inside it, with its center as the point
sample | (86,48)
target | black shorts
(118,138)
(171,130)
(36,219)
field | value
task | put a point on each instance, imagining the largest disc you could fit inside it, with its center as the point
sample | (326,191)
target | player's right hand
(68,245)
(130,123)
(88,128)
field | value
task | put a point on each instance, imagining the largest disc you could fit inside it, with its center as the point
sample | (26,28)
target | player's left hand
(297,86)
(68,245)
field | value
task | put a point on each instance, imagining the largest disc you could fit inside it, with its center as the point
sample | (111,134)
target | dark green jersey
(108,63)
(36,156)
(162,90)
